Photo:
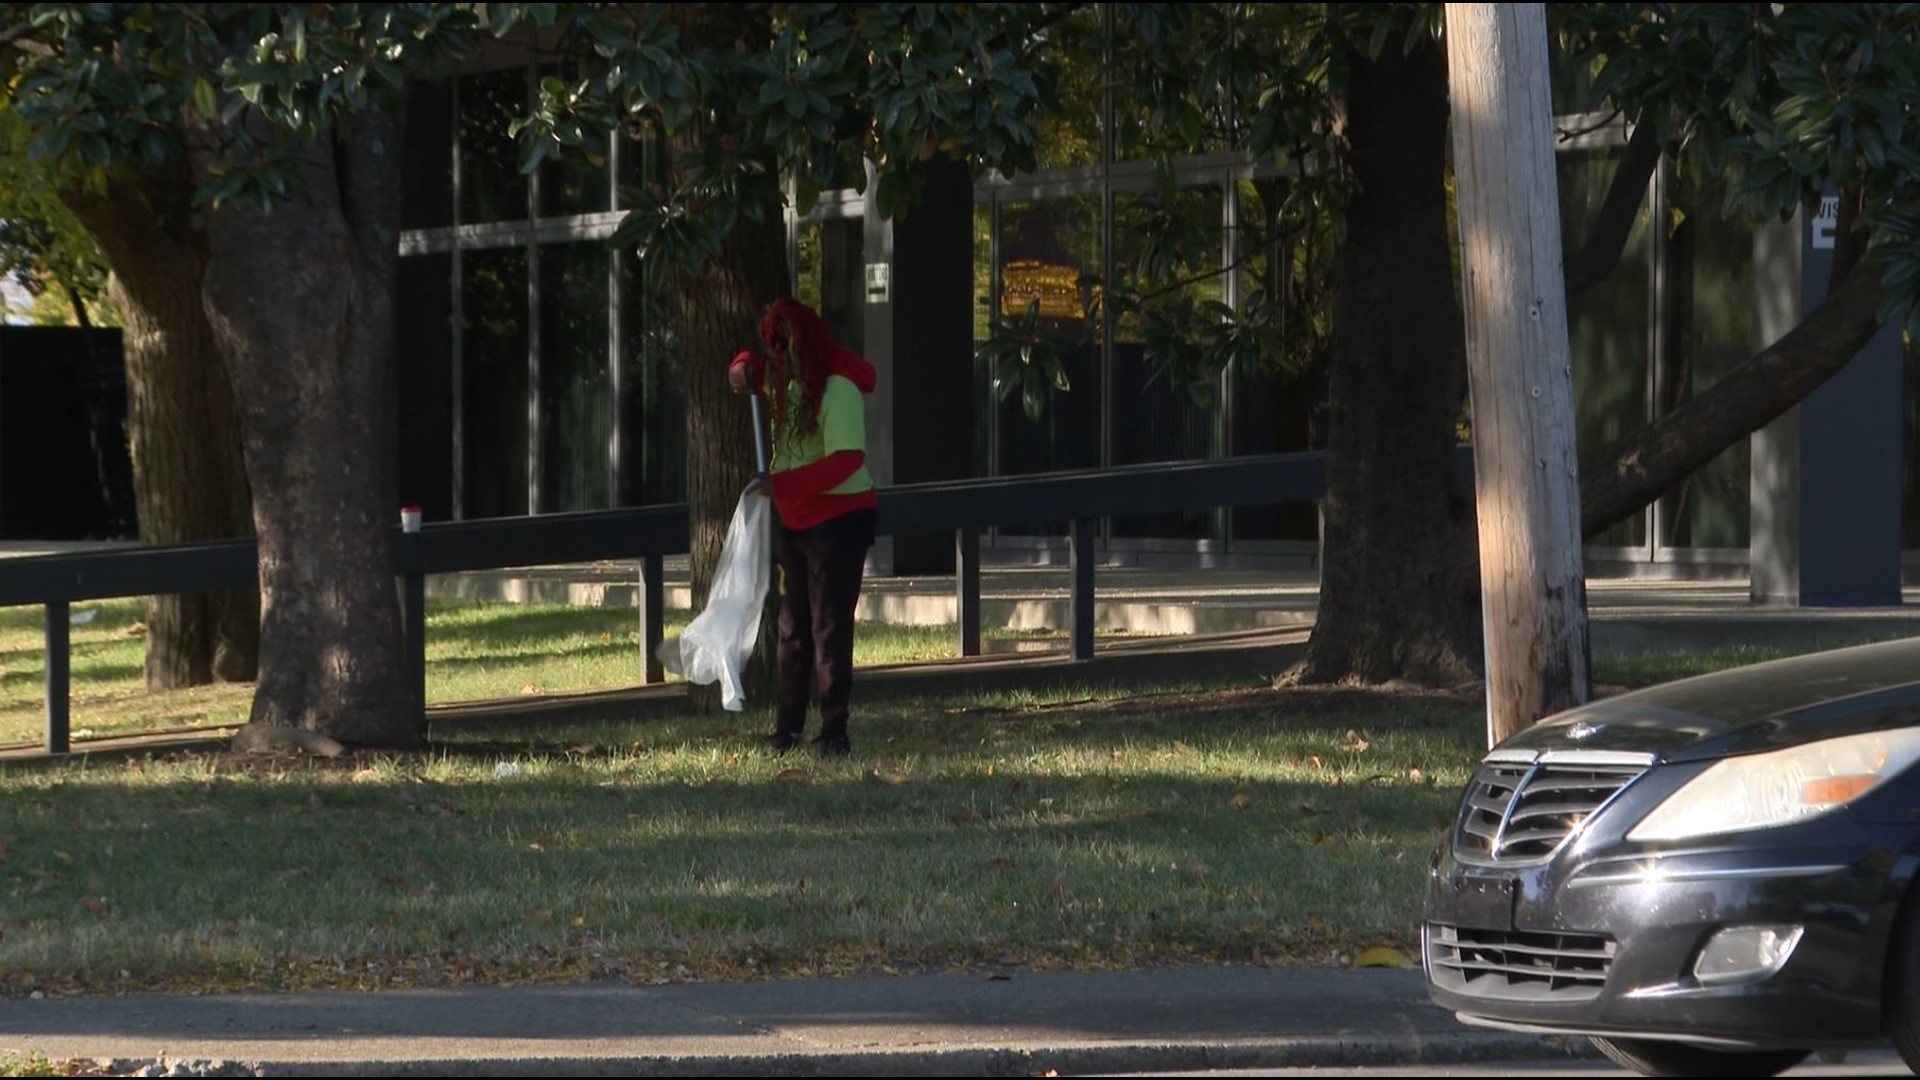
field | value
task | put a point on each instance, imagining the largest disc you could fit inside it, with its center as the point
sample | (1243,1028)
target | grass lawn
(475,651)
(1160,821)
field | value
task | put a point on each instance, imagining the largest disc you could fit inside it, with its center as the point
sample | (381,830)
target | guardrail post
(1082,562)
(59,718)
(966,564)
(653,617)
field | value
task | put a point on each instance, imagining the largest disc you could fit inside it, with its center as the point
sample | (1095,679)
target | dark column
(1826,481)
(919,334)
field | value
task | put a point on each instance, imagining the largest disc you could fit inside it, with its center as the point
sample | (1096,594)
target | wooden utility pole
(1520,370)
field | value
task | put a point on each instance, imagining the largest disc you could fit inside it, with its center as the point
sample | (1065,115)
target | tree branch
(1608,238)
(1634,473)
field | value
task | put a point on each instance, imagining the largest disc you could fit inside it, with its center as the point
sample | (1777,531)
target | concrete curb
(1298,1052)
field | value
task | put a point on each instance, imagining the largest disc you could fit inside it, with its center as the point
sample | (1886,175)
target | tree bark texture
(1533,579)
(302,299)
(188,476)
(1398,591)
(719,314)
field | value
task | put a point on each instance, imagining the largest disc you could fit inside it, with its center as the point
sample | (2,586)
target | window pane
(1155,419)
(1606,325)
(654,412)
(1712,332)
(576,409)
(492,188)
(427,202)
(832,276)
(1279,407)
(1045,248)
(426,385)
(494,381)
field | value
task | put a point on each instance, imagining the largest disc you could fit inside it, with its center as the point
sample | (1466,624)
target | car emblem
(1583,731)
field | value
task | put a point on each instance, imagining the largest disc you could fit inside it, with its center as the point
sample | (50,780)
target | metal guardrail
(650,534)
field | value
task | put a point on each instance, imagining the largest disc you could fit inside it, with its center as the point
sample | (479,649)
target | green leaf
(204,98)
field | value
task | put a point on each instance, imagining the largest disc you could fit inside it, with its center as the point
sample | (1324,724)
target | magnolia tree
(262,145)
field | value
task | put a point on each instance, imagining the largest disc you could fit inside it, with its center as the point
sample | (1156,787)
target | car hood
(1745,710)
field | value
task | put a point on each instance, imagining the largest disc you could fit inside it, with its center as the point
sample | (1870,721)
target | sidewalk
(1628,615)
(976,1024)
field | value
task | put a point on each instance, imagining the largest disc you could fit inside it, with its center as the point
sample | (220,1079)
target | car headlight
(1761,791)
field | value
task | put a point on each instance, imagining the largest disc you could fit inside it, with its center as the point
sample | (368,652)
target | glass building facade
(538,374)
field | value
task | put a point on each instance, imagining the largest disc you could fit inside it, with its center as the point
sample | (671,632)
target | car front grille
(1522,811)
(1518,965)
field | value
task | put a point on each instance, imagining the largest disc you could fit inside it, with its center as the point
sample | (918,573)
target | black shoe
(782,742)
(832,746)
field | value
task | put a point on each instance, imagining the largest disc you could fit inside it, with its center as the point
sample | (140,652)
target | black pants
(821,570)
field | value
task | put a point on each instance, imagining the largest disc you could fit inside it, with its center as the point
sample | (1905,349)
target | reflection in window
(427,187)
(425,362)
(1053,238)
(1039,243)
(831,276)
(1280,407)
(653,409)
(1711,332)
(576,415)
(1154,418)
(1606,326)
(492,187)
(494,381)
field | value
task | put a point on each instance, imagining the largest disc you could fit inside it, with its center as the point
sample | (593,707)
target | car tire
(1656,1057)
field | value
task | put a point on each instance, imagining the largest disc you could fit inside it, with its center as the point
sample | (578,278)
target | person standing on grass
(821,489)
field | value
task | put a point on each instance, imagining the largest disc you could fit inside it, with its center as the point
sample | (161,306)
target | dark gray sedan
(1709,877)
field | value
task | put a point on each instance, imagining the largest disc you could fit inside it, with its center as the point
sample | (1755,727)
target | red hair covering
(801,350)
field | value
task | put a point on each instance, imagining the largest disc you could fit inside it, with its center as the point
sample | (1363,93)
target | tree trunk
(719,314)
(1398,586)
(188,477)
(302,298)
(1521,371)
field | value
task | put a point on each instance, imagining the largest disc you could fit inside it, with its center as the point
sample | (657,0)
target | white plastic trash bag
(718,642)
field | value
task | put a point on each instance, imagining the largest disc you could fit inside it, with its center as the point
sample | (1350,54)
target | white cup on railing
(410,519)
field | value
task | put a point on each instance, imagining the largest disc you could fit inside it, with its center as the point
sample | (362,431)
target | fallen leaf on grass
(1241,801)
(1355,740)
(94,907)
(793,776)
(529,689)
(875,776)
(1002,863)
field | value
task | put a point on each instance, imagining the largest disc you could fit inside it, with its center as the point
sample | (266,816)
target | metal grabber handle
(759,437)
